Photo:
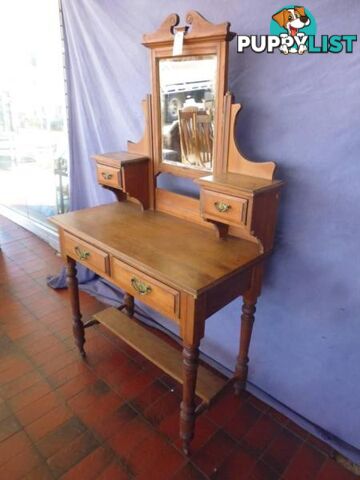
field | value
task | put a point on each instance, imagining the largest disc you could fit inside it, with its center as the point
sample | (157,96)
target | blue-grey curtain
(304,113)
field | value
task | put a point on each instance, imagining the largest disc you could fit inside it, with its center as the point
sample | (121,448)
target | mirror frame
(200,38)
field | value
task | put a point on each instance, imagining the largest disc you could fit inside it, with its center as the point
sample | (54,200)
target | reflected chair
(196,137)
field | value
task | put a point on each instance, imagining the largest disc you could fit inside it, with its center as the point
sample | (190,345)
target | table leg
(187,408)
(247,321)
(72,283)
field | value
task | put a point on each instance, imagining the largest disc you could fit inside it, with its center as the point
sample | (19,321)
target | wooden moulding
(200,29)
(145,146)
(236,162)
(161,353)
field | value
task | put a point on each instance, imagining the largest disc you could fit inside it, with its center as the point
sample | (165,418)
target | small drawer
(86,254)
(163,298)
(224,208)
(109,176)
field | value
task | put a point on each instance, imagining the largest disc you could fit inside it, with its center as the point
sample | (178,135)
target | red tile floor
(115,416)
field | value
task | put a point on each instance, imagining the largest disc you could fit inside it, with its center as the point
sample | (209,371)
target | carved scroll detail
(164,31)
(200,28)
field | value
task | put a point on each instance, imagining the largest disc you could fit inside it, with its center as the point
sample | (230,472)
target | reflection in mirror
(187,98)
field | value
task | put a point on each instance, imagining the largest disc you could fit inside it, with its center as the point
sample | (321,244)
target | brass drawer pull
(82,254)
(222,207)
(107,176)
(140,286)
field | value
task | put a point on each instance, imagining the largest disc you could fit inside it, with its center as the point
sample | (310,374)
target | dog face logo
(292,20)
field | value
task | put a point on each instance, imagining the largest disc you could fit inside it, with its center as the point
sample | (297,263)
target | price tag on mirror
(178,43)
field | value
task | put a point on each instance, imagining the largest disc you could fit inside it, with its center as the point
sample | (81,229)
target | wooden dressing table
(185,257)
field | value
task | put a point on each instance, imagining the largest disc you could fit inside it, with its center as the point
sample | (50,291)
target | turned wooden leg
(247,321)
(78,327)
(129,304)
(187,407)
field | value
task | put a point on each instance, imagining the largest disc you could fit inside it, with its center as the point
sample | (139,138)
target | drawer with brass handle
(223,207)
(156,294)
(109,176)
(88,255)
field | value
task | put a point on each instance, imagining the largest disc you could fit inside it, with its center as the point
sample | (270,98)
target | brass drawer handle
(222,207)
(82,254)
(106,175)
(140,286)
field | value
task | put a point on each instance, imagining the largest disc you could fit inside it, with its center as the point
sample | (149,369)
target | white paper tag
(178,43)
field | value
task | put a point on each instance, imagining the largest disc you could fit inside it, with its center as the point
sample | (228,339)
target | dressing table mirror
(184,257)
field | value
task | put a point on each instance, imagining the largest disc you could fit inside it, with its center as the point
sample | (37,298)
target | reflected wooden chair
(196,137)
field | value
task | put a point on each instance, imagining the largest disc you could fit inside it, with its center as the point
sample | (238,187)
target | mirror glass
(187,101)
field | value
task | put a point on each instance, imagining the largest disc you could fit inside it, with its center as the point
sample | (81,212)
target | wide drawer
(224,208)
(156,294)
(109,176)
(86,254)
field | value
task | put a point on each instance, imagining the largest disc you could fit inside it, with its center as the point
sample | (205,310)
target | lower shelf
(158,351)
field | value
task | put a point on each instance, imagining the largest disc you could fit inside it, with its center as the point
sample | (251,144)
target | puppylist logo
(293,30)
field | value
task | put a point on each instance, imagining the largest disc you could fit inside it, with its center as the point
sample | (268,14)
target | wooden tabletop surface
(178,252)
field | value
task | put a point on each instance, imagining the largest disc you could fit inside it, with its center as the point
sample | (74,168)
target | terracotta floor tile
(225,406)
(189,472)
(305,465)
(130,435)
(48,354)
(60,437)
(74,386)
(10,389)
(333,471)
(134,385)
(245,417)
(149,395)
(159,410)
(259,404)
(214,453)
(149,455)
(114,472)
(238,465)
(15,372)
(116,374)
(20,331)
(76,367)
(31,394)
(91,466)
(13,445)
(58,363)
(107,426)
(278,416)
(97,410)
(281,450)
(40,472)
(73,453)
(261,471)
(38,408)
(155,455)
(47,342)
(8,427)
(48,422)
(20,465)
(88,395)
(262,433)
(4,410)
